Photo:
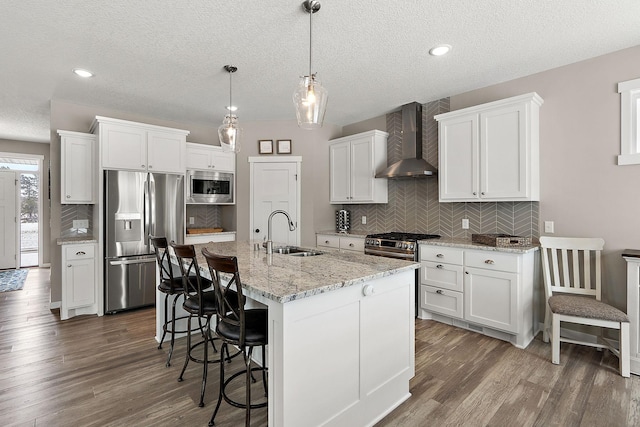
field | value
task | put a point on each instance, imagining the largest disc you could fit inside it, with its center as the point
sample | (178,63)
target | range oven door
(210,187)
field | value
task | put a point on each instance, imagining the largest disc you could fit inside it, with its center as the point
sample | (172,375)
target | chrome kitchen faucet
(292,227)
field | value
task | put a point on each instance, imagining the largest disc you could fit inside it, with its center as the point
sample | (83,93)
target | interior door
(8,225)
(274,186)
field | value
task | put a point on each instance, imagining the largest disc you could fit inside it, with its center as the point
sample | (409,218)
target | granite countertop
(468,244)
(283,278)
(631,253)
(74,240)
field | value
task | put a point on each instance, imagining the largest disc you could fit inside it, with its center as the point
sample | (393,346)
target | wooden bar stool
(237,326)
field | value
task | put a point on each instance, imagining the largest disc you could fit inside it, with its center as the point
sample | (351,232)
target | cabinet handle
(80,253)
(257,230)
(489,261)
(368,290)
(69,265)
(141,166)
(482,193)
(475,194)
(439,291)
(68,196)
(326,241)
(440,256)
(466,272)
(150,166)
(439,266)
(350,245)
(213,166)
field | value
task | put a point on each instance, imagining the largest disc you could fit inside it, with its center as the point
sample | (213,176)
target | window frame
(629,122)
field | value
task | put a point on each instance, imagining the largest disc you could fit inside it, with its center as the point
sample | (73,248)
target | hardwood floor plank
(107,371)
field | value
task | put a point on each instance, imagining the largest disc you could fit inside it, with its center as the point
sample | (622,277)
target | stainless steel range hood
(412,164)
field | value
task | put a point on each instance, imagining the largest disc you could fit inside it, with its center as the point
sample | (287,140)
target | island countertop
(283,278)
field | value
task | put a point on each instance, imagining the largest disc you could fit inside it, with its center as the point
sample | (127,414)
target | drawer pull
(440,256)
(326,241)
(439,266)
(80,253)
(69,265)
(439,291)
(350,245)
(489,261)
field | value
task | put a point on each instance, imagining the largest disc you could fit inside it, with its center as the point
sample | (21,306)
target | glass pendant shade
(229,134)
(310,100)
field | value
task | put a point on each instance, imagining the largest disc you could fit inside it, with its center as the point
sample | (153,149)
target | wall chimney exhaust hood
(412,164)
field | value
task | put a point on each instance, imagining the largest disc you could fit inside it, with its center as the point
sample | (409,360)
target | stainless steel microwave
(210,187)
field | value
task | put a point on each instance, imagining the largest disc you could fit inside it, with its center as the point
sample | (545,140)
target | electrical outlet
(465,224)
(548,227)
(192,220)
(80,223)
(364,220)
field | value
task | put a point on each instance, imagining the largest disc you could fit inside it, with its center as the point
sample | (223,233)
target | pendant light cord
(230,99)
(310,35)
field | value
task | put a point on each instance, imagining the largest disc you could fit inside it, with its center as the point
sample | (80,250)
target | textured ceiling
(164,58)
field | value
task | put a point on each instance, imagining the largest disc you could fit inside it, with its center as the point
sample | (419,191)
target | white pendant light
(229,132)
(310,98)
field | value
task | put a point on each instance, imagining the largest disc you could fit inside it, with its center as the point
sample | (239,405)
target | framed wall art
(265,146)
(284,146)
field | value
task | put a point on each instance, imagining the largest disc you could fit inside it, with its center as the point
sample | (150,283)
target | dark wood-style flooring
(106,371)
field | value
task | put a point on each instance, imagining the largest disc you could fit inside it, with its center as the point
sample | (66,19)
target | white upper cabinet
(353,163)
(137,146)
(78,168)
(209,157)
(490,152)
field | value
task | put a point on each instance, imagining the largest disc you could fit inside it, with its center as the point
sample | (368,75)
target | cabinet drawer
(441,301)
(352,244)
(328,241)
(441,254)
(492,260)
(72,252)
(446,276)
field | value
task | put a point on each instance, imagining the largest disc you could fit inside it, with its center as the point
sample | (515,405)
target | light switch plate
(80,223)
(465,224)
(548,227)
(364,219)
(192,220)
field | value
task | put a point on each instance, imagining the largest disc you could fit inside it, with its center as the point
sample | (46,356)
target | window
(629,122)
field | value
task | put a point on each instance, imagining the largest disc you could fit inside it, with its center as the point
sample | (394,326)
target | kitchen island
(341,332)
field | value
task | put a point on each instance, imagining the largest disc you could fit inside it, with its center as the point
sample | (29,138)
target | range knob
(405,246)
(411,246)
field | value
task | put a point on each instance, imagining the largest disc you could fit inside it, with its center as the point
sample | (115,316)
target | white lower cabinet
(79,284)
(486,291)
(346,243)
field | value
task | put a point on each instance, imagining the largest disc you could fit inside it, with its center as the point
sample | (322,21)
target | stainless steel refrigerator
(137,204)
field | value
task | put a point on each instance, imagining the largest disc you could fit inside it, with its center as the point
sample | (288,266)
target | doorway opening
(28,171)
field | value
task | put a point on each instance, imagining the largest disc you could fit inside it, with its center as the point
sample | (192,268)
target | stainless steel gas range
(398,245)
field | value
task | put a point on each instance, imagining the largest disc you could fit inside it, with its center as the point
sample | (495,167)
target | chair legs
(164,327)
(248,373)
(205,330)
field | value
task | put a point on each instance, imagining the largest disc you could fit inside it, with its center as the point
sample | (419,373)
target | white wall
(582,189)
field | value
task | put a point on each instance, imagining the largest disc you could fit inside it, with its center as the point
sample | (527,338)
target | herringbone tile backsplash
(413,203)
(205,216)
(69,213)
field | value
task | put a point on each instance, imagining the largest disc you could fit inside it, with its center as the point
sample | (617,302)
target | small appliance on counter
(343,221)
(501,240)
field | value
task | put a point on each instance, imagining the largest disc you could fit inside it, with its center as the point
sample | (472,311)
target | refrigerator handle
(147,229)
(152,205)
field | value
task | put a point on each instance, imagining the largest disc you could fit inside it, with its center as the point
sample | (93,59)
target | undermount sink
(296,251)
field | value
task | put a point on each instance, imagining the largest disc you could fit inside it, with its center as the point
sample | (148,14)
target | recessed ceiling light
(82,73)
(232,108)
(440,50)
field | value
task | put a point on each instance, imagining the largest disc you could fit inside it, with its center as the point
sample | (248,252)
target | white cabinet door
(223,161)
(79,294)
(165,152)
(123,147)
(198,157)
(503,153)
(339,172)
(362,170)
(458,151)
(491,298)
(78,180)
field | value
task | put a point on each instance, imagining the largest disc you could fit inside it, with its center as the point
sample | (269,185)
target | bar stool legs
(169,325)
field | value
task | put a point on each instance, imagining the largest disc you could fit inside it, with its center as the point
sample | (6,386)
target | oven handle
(409,257)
